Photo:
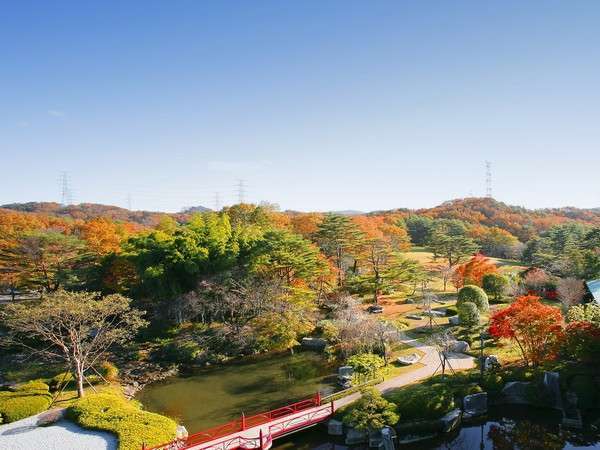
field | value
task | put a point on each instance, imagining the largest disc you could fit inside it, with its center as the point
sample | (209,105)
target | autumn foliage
(472,271)
(535,327)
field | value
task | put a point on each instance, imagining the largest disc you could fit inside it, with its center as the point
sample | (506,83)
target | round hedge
(473,294)
(468,314)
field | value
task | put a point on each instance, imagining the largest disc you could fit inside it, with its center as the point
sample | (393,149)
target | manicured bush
(110,411)
(494,285)
(421,401)
(366,364)
(371,412)
(473,294)
(25,400)
(468,314)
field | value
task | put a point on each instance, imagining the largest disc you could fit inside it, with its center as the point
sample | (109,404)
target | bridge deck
(250,438)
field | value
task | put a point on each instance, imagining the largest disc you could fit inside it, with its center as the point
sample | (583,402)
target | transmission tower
(129,202)
(66,194)
(241,190)
(488,179)
(217,201)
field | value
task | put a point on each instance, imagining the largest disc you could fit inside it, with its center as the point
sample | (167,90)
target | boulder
(413,317)
(354,436)
(460,347)
(410,301)
(335,428)
(454,320)
(516,392)
(408,360)
(313,343)
(181,432)
(451,421)
(434,313)
(491,362)
(475,405)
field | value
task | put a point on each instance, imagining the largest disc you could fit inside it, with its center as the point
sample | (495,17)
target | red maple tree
(535,327)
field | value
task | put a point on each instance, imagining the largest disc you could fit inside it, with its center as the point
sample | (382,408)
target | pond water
(505,429)
(216,395)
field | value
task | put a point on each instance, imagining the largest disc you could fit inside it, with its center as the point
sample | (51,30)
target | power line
(66,193)
(241,190)
(488,179)
(217,201)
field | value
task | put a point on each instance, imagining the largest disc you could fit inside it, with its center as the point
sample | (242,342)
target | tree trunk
(79,379)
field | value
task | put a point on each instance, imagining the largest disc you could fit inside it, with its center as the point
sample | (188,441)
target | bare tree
(570,291)
(75,327)
(443,342)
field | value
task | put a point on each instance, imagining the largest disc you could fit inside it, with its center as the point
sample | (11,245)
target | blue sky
(318,105)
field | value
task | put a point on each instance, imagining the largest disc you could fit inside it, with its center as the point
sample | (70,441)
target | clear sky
(318,105)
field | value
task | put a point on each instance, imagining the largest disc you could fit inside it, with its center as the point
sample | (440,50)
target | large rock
(335,428)
(516,392)
(413,317)
(454,320)
(451,421)
(181,432)
(408,360)
(434,313)
(491,362)
(475,405)
(460,347)
(354,436)
(313,343)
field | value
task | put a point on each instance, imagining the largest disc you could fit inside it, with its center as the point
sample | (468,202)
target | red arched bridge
(257,431)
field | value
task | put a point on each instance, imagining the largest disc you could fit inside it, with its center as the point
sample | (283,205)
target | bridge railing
(237,425)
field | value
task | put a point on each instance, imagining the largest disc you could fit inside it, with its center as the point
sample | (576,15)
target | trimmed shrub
(494,285)
(110,411)
(419,401)
(371,412)
(468,315)
(25,400)
(473,294)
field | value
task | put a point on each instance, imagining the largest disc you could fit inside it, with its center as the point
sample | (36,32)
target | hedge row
(110,411)
(23,401)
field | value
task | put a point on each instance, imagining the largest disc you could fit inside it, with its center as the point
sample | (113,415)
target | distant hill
(520,221)
(348,212)
(85,211)
(195,209)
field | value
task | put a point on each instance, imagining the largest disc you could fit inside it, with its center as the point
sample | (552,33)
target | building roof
(594,288)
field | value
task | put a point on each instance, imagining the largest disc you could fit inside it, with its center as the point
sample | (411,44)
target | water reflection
(506,429)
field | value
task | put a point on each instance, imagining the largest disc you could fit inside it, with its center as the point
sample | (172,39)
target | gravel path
(431,363)
(63,435)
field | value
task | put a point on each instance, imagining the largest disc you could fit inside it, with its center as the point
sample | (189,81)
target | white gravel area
(63,435)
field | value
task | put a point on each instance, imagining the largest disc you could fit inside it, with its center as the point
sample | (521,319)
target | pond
(505,429)
(216,395)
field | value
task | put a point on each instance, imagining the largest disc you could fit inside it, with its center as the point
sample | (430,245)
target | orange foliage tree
(473,271)
(535,327)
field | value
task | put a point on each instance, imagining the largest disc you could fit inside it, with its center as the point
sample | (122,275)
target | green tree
(419,228)
(495,285)
(468,315)
(372,412)
(366,364)
(77,328)
(287,256)
(473,294)
(337,237)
